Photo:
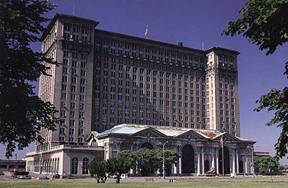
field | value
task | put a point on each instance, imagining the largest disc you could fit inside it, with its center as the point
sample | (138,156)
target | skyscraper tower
(222,91)
(69,40)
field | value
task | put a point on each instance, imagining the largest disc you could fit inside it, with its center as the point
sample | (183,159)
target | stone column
(198,163)
(249,165)
(80,164)
(233,160)
(213,158)
(174,168)
(237,162)
(217,161)
(180,165)
(202,153)
(245,164)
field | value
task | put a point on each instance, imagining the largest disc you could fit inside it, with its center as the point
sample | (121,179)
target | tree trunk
(118,178)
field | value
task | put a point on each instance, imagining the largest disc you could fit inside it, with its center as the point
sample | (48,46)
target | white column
(213,158)
(174,168)
(233,160)
(198,164)
(217,161)
(80,164)
(237,162)
(245,165)
(180,165)
(202,153)
(249,165)
(252,161)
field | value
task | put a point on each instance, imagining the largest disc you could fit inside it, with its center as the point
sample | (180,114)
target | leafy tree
(98,169)
(265,23)
(266,165)
(22,113)
(121,164)
(170,157)
(147,161)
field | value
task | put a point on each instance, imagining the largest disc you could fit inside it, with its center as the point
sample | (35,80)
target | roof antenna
(146,32)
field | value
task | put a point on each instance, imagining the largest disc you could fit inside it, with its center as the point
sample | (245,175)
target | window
(74,165)
(85,166)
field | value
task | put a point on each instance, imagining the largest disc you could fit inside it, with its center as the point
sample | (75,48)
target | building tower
(69,41)
(222,91)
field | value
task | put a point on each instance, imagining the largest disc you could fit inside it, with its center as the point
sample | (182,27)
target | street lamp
(163,165)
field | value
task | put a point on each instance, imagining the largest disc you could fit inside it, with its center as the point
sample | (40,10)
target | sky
(194,23)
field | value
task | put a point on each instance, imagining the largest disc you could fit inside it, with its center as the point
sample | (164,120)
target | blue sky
(193,23)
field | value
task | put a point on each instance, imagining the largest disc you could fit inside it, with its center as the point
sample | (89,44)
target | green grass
(248,182)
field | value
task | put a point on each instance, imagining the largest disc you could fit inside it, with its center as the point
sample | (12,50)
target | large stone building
(200,149)
(105,79)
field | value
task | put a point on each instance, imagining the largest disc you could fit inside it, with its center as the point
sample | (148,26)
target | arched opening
(241,168)
(226,161)
(85,166)
(188,159)
(74,166)
(206,165)
(147,145)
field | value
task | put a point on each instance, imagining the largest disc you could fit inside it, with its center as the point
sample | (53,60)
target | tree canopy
(265,23)
(121,164)
(147,161)
(266,165)
(22,113)
(98,169)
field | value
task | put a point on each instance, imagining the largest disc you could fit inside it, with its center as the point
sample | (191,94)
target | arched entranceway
(147,145)
(206,165)
(241,167)
(226,161)
(188,159)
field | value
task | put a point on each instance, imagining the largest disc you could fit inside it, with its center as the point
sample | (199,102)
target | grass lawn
(247,182)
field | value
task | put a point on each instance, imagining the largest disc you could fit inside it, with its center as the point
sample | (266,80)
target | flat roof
(180,47)
(65,16)
(148,40)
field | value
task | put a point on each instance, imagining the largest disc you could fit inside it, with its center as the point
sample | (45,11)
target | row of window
(145,49)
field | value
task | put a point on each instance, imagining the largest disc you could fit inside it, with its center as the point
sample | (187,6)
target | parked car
(43,178)
(55,176)
(26,177)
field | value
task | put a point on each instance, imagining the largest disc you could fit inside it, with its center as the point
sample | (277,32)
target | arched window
(74,165)
(85,166)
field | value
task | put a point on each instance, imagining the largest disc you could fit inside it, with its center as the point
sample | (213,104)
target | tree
(121,164)
(147,161)
(265,23)
(22,113)
(266,165)
(170,156)
(98,169)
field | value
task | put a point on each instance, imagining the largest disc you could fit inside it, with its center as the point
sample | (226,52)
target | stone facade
(64,160)
(202,147)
